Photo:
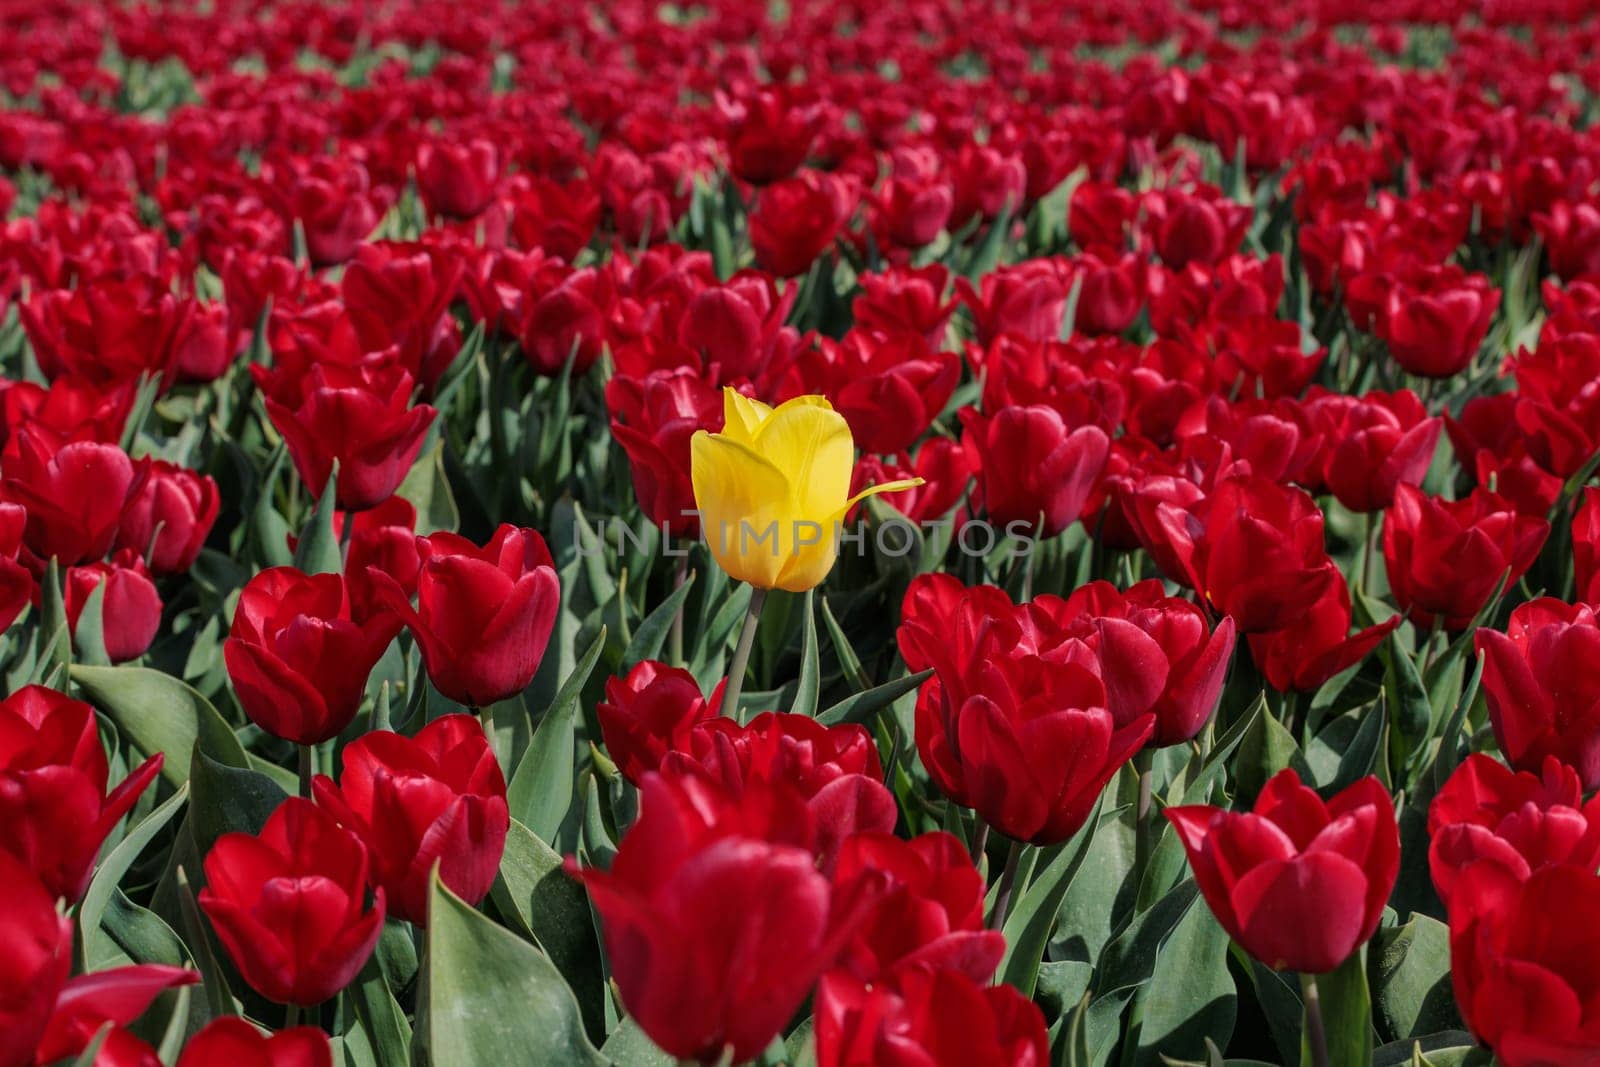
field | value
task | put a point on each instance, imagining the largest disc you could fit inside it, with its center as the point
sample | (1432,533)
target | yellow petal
(899,486)
(811,444)
(742,416)
(741,497)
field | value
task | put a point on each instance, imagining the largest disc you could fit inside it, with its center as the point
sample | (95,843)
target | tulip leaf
(159,713)
(541,793)
(1346,1015)
(1028,927)
(651,634)
(427,487)
(268,528)
(135,935)
(383,1021)
(488,998)
(1266,749)
(1361,749)
(110,872)
(1410,710)
(317,551)
(89,637)
(844,651)
(536,895)
(805,696)
(55,634)
(859,707)
(228,799)
(1411,978)
(1191,995)
(1129,960)
(630,1046)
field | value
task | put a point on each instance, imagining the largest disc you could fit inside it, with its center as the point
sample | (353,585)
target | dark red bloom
(436,798)
(1299,883)
(796,220)
(54,809)
(115,996)
(888,387)
(457,178)
(130,609)
(74,494)
(1031,462)
(232,1041)
(169,515)
(483,615)
(298,659)
(289,904)
(35,959)
(653,419)
(649,713)
(1541,688)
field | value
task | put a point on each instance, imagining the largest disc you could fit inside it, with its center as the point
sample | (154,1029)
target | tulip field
(831,533)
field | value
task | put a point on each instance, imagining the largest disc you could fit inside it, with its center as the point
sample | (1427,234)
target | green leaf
(843,651)
(489,998)
(1191,995)
(427,487)
(317,551)
(1346,1015)
(111,871)
(536,894)
(541,793)
(1361,754)
(805,696)
(90,637)
(1266,749)
(158,713)
(1408,703)
(629,1046)
(382,1019)
(55,635)
(228,800)
(652,632)
(1028,927)
(859,707)
(1411,978)
(268,529)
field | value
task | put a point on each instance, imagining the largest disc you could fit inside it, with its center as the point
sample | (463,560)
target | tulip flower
(772,488)
(169,516)
(1030,461)
(54,809)
(649,713)
(232,1041)
(35,959)
(929,1017)
(1445,558)
(1586,546)
(1523,962)
(457,179)
(297,659)
(74,494)
(888,387)
(483,615)
(703,987)
(289,906)
(653,418)
(438,797)
(1299,883)
(130,608)
(1488,813)
(796,220)
(107,1001)
(1541,687)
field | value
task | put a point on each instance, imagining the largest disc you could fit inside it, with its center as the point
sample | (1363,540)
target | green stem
(291,1016)
(1368,535)
(1143,831)
(1008,879)
(980,840)
(1316,1037)
(308,768)
(675,635)
(741,655)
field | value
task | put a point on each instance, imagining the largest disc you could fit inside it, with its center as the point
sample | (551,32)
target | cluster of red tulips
(908,534)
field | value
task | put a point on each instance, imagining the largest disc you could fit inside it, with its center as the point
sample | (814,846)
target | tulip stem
(291,1016)
(1008,878)
(675,636)
(308,768)
(1369,533)
(741,655)
(980,840)
(347,530)
(1316,1037)
(1143,835)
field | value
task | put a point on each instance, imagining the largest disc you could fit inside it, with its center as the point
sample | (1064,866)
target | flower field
(916,533)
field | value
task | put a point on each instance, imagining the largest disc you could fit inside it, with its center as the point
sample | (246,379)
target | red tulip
(941,464)
(364,422)
(288,904)
(889,388)
(1373,443)
(1541,688)
(769,134)
(130,608)
(117,997)
(653,419)
(1157,653)
(438,797)
(1446,558)
(1015,723)
(649,713)
(1522,961)
(796,220)
(17,586)
(551,216)
(1299,883)
(930,916)
(696,983)
(1487,813)
(397,296)
(483,615)
(231,1041)
(106,330)
(905,300)
(457,179)
(35,959)
(1586,547)
(1318,644)
(332,198)
(1030,462)
(169,515)
(54,809)
(74,494)
(1252,547)
(1028,298)
(1435,320)
(298,660)
(1201,226)
(930,1017)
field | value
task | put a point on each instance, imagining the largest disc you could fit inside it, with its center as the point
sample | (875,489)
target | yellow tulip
(773,487)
